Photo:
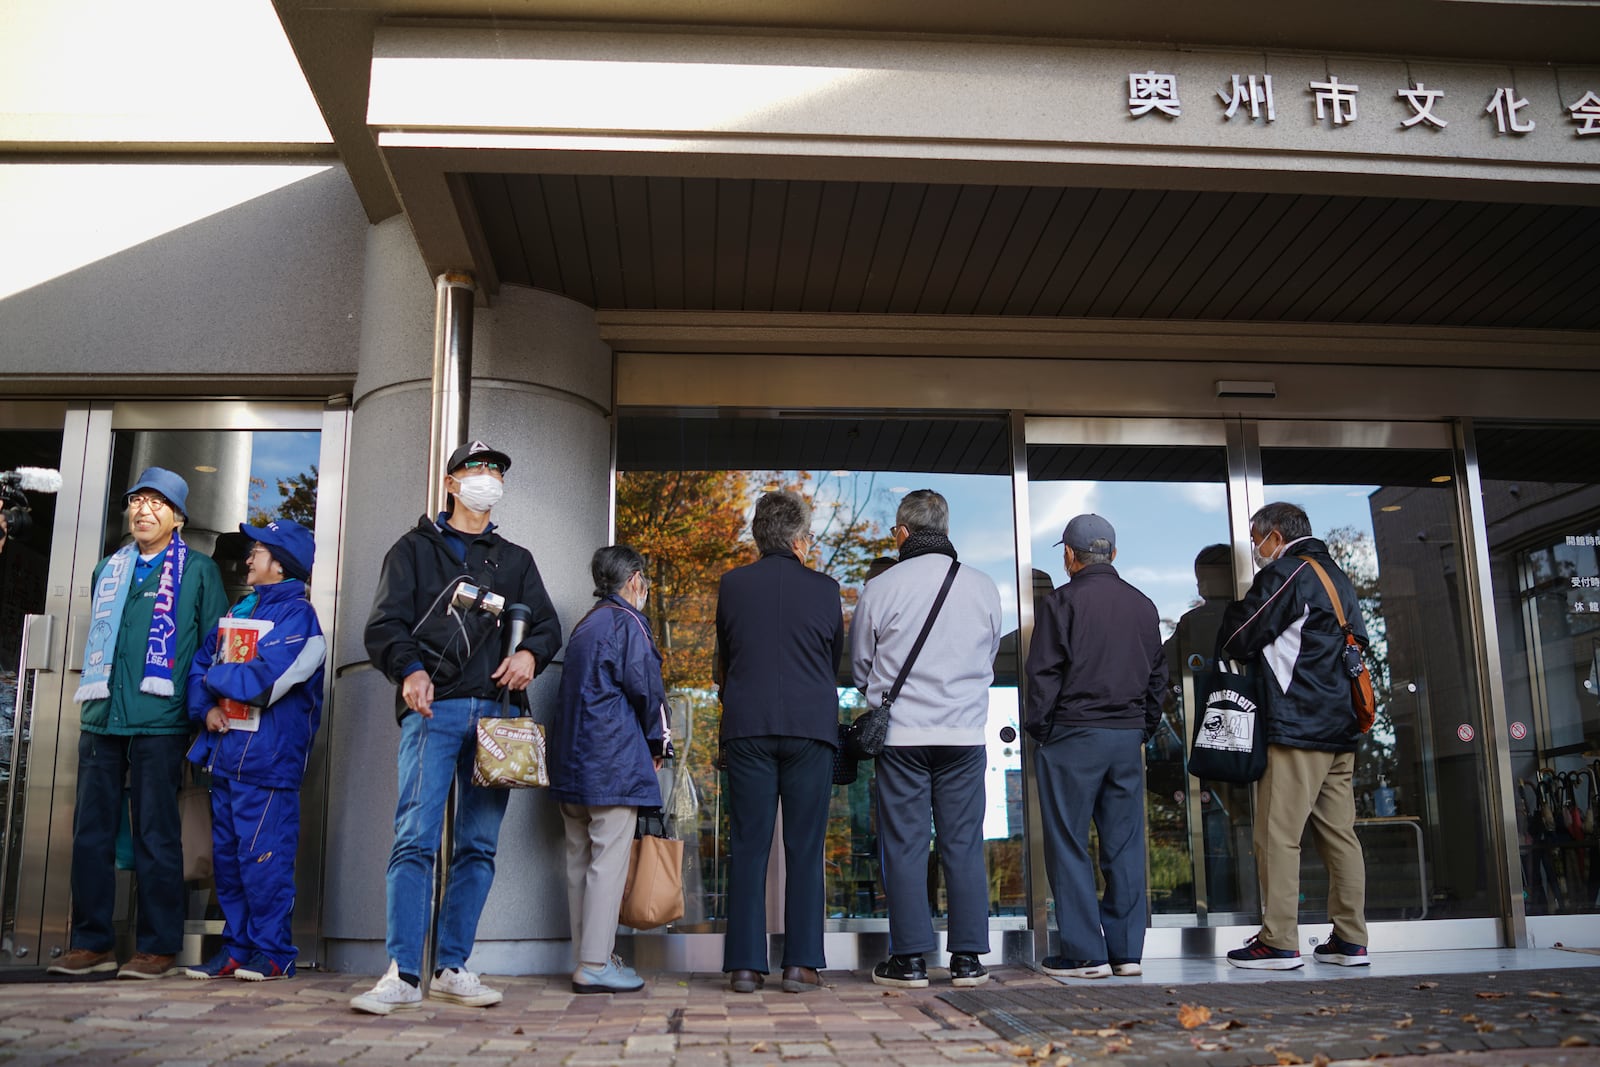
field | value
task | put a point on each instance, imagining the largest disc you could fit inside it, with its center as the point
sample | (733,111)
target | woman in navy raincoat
(608,739)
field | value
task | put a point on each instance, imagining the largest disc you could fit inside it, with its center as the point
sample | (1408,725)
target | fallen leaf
(1427,985)
(1129,1024)
(1447,1011)
(1063,1061)
(1404,1024)
(1485,1028)
(1431,1046)
(1497,995)
(518,1030)
(1021,1051)
(1323,1011)
(1286,1057)
(892,993)
(1044,1050)
(1231,1024)
(759,1046)
(1589,1017)
(1115,1047)
(1470,1018)
(1192,1015)
(1209,1046)
(1547,994)
(1320,1060)
(1107,1032)
(1574,1041)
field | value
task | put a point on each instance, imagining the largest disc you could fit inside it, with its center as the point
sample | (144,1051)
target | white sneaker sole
(964,983)
(1268,964)
(1102,971)
(382,1007)
(900,983)
(1126,970)
(79,972)
(1342,960)
(486,999)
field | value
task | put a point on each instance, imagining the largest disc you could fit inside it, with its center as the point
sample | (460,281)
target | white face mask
(1262,561)
(479,492)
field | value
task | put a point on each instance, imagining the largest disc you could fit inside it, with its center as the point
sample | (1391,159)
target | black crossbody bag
(864,738)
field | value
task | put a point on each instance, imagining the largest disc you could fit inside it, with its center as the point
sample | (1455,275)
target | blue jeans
(432,752)
(152,766)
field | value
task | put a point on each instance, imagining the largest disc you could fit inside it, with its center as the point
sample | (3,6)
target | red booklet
(236,643)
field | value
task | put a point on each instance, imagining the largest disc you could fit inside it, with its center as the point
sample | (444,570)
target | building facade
(666,254)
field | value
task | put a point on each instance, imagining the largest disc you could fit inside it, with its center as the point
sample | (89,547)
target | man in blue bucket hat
(255,689)
(151,602)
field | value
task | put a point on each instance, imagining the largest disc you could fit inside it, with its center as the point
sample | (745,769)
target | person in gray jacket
(932,767)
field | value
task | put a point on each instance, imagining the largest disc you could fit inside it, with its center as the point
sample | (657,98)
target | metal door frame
(88,428)
(1244,439)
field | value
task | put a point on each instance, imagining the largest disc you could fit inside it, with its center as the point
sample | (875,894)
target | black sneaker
(904,972)
(1257,955)
(965,970)
(1345,953)
(1061,967)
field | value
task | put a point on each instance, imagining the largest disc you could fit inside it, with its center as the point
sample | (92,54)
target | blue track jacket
(285,680)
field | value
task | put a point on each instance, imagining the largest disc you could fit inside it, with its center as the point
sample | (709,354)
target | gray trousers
(939,786)
(599,843)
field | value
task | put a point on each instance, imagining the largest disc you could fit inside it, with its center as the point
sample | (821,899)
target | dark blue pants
(1086,772)
(762,771)
(152,767)
(939,786)
(255,833)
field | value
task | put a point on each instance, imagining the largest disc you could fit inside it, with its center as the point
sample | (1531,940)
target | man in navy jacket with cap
(1096,673)
(257,694)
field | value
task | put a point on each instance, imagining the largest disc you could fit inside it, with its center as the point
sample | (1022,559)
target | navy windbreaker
(612,717)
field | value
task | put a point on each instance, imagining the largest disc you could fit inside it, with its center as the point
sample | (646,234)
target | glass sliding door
(1164,486)
(1384,498)
(1541,502)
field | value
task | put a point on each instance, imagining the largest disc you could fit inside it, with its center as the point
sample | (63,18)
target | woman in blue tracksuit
(607,741)
(256,775)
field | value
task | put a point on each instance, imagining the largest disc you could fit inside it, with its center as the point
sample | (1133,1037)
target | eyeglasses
(136,501)
(258,549)
(483,465)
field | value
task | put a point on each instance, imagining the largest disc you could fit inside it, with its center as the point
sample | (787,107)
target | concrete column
(541,390)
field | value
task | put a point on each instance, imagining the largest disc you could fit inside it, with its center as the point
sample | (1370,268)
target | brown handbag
(1362,701)
(653,893)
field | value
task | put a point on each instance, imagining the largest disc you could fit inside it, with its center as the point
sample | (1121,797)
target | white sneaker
(460,986)
(392,993)
(1130,969)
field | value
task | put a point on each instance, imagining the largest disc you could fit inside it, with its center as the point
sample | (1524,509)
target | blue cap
(1085,533)
(292,545)
(168,484)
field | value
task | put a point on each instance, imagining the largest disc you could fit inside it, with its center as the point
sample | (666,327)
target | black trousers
(762,771)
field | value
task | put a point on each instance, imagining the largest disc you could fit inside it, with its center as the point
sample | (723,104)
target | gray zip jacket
(945,701)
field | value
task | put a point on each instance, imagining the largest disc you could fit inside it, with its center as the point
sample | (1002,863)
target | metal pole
(447,426)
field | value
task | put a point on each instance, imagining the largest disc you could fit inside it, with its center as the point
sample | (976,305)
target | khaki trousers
(599,844)
(1302,785)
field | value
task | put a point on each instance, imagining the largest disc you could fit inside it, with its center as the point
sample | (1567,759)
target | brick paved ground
(691,1020)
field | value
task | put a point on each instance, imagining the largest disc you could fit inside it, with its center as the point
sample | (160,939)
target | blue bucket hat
(168,484)
(292,545)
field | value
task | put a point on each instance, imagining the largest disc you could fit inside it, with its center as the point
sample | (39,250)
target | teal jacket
(201,602)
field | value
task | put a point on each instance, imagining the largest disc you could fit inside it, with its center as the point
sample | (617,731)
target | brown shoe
(84,961)
(746,981)
(800,979)
(148,965)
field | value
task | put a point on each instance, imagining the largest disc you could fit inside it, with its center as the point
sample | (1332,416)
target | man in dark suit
(780,634)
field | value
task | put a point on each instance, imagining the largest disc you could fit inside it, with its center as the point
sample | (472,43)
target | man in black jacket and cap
(434,631)
(1287,624)
(1096,676)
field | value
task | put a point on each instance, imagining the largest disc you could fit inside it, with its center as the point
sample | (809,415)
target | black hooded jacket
(411,620)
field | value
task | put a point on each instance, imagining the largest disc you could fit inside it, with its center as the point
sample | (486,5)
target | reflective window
(1541,503)
(1423,807)
(685,489)
(1169,506)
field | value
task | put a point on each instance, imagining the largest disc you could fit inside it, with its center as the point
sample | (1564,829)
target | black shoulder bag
(864,738)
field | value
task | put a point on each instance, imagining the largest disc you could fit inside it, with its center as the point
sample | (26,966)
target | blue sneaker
(222,965)
(1259,956)
(263,968)
(1345,953)
(607,979)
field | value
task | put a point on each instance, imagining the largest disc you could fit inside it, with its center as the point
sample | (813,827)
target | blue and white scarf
(110,596)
